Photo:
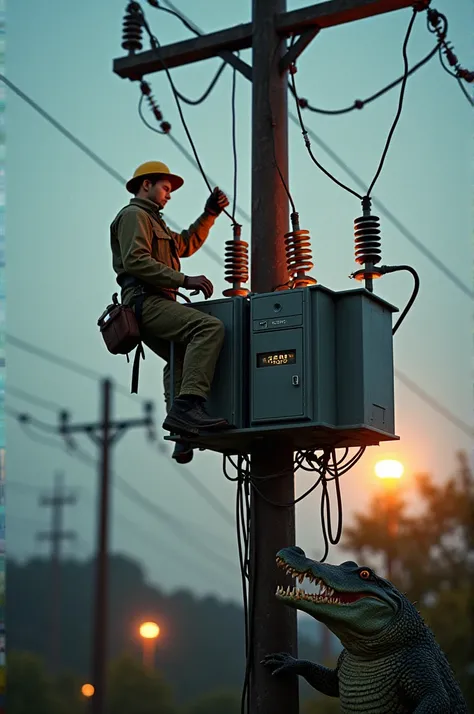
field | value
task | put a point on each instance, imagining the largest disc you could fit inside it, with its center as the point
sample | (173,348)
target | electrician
(145,256)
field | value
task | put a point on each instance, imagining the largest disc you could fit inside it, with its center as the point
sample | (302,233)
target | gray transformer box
(308,365)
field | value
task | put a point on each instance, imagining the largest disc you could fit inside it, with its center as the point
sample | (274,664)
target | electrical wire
(308,144)
(362,103)
(207,92)
(434,404)
(400,102)
(273,125)
(191,160)
(399,268)
(60,361)
(156,45)
(186,23)
(32,399)
(234,140)
(92,155)
(391,132)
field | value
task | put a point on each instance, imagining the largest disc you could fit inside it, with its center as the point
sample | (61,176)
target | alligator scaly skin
(391,662)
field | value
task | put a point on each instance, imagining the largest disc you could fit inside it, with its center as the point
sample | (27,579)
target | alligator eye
(364,574)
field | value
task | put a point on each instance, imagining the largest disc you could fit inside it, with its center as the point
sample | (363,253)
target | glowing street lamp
(87,690)
(149,632)
(389,468)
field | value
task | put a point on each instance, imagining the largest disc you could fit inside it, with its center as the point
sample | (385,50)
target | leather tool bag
(120,331)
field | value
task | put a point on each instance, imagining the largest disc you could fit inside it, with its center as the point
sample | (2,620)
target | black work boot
(188,415)
(183,452)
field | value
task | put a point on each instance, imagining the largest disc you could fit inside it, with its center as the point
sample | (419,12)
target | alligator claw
(280,663)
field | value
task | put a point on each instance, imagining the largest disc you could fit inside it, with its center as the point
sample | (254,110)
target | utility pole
(273,627)
(272,527)
(56,535)
(105,434)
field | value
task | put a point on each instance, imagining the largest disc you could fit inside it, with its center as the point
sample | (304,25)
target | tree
(216,703)
(132,688)
(432,557)
(29,689)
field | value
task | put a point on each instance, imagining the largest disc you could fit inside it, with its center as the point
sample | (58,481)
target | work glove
(216,202)
(199,283)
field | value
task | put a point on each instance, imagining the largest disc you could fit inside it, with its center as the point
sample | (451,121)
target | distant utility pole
(274,626)
(105,434)
(56,535)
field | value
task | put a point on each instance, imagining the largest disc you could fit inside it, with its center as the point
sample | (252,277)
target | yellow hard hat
(154,167)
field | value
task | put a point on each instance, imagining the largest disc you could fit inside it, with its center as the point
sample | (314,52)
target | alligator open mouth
(326,594)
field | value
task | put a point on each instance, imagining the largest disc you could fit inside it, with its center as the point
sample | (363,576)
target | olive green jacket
(143,245)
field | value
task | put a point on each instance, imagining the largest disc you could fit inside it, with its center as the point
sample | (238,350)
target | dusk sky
(59,205)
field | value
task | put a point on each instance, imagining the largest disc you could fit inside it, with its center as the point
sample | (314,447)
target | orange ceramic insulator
(298,258)
(236,264)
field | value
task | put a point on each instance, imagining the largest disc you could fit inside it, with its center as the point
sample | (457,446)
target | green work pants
(197,341)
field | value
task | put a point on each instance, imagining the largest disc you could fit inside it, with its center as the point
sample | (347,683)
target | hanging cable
(384,269)
(207,92)
(155,45)
(392,130)
(362,103)
(273,125)
(400,102)
(234,139)
(308,143)
(156,4)
(236,249)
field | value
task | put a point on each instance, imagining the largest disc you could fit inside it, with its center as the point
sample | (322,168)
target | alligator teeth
(301,577)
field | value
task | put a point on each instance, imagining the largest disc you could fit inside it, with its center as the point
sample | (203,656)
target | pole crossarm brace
(295,50)
(224,42)
(115,428)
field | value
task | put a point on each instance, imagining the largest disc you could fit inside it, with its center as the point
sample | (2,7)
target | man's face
(159,193)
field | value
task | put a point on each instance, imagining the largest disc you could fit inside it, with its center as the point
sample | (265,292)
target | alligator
(391,662)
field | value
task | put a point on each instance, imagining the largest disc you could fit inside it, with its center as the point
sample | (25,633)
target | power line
(191,478)
(135,496)
(62,129)
(85,149)
(434,404)
(64,362)
(32,399)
